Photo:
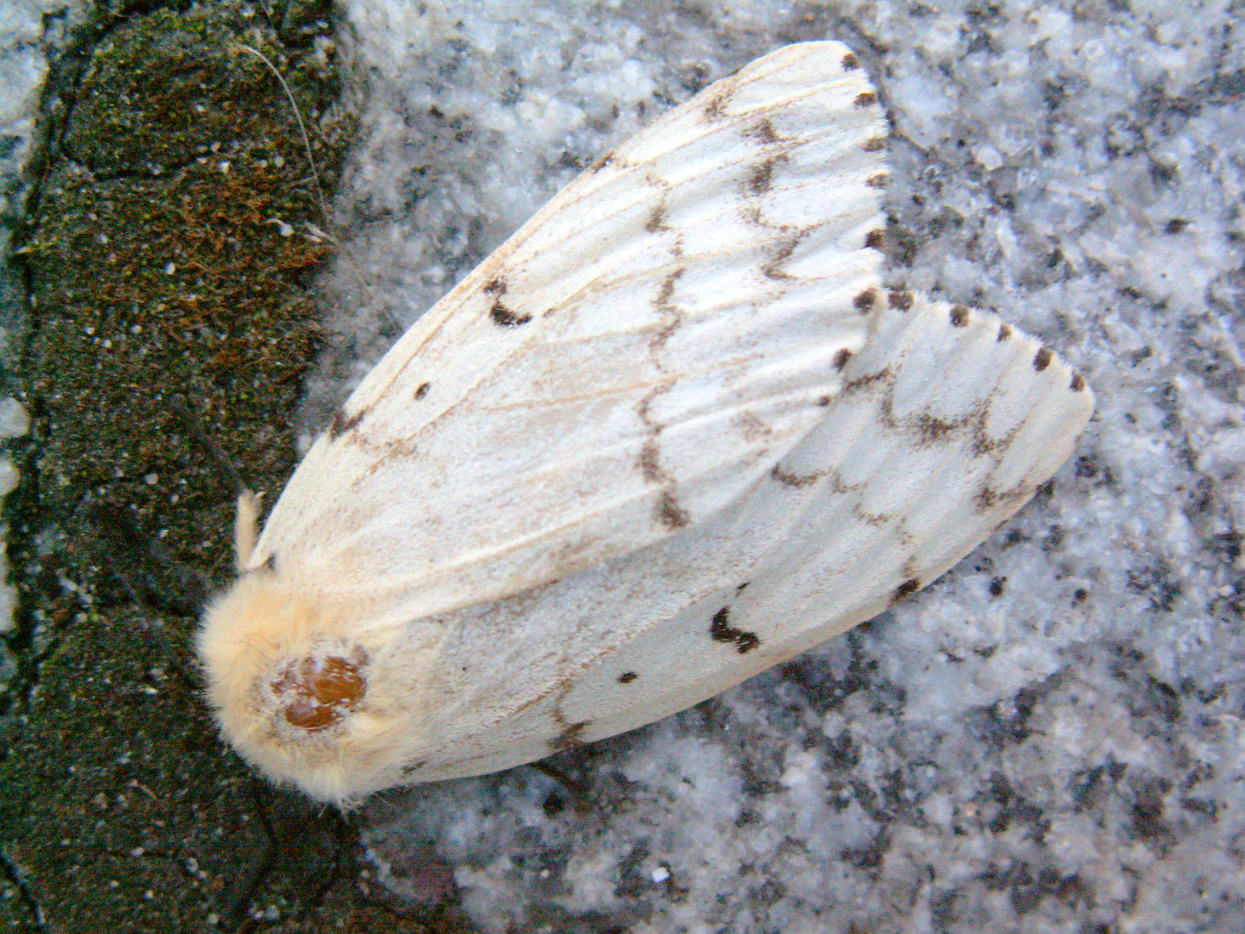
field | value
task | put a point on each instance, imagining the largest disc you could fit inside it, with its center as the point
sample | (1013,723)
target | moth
(672,432)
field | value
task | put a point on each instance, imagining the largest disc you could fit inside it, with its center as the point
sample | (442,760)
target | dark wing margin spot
(901,301)
(875,143)
(864,301)
(876,240)
(865,99)
(840,361)
(506,318)
(906,589)
(1041,359)
(422,390)
(721,630)
(1078,383)
(627,677)
(879,180)
(343,423)
(850,62)
(959,316)
(1004,333)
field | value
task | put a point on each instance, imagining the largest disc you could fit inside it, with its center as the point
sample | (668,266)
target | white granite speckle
(1048,738)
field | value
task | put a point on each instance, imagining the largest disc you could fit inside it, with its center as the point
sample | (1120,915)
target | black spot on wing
(840,360)
(627,677)
(1078,383)
(864,301)
(850,62)
(865,99)
(1041,360)
(906,589)
(959,316)
(422,390)
(500,313)
(721,630)
(506,317)
(876,240)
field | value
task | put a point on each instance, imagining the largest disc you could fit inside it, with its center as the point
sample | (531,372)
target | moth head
(293,696)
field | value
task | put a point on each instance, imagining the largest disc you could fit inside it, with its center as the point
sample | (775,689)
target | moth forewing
(670,433)
(813,550)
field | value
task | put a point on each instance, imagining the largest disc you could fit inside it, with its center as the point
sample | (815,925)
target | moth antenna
(116,528)
(223,464)
(315,172)
(360,279)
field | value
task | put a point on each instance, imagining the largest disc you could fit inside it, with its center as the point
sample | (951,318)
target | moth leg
(581,797)
(244,528)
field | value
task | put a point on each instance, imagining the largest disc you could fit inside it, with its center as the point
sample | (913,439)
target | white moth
(674,431)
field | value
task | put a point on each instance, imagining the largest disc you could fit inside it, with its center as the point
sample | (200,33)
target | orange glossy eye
(317,692)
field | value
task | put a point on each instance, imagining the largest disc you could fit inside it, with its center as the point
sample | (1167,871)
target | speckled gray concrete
(1050,737)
